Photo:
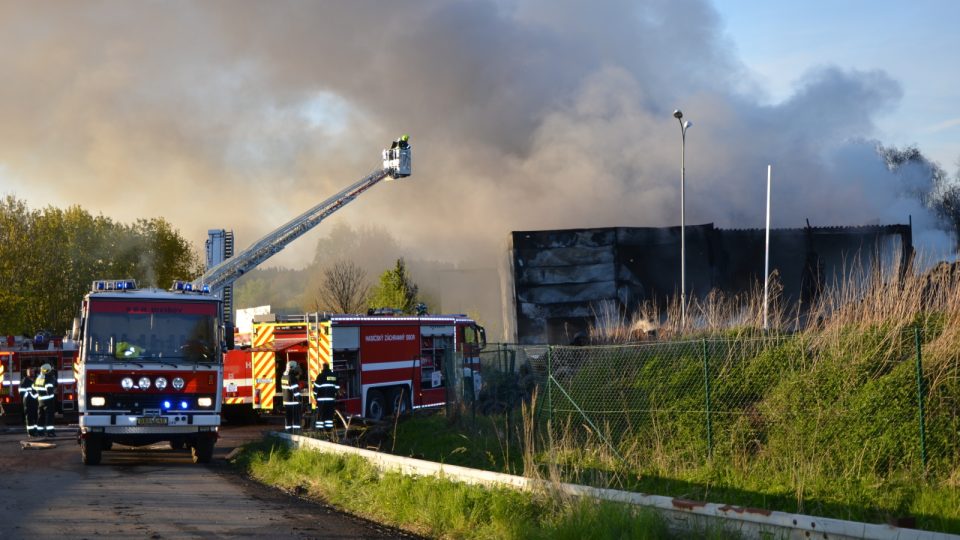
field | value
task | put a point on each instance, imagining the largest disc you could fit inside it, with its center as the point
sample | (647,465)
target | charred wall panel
(560,278)
(649,262)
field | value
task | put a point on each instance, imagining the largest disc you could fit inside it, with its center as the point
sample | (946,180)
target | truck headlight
(178,383)
(98,401)
(144,383)
(204,402)
(160,383)
(126,383)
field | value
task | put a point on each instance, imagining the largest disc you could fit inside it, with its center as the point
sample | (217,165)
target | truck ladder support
(396,164)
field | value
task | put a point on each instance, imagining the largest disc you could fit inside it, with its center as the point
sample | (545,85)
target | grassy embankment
(823,421)
(440,508)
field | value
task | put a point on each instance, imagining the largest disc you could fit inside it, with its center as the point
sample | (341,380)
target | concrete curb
(681,514)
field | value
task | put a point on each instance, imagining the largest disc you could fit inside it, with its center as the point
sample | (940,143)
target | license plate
(152,421)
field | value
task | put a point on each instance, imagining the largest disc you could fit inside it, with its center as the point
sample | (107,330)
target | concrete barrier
(681,514)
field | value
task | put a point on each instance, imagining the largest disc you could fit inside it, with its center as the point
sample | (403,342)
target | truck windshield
(125,337)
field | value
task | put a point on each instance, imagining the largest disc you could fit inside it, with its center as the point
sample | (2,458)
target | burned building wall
(556,280)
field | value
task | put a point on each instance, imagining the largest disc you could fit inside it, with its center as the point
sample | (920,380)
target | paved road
(153,492)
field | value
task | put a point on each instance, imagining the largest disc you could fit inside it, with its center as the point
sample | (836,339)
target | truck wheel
(376,405)
(202,450)
(400,401)
(91,449)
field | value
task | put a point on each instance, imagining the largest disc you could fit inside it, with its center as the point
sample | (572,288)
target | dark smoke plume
(523,114)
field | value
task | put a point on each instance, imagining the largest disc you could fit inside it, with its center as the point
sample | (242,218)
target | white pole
(766,263)
(683,236)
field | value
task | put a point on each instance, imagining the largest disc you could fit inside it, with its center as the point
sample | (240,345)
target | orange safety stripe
(323,347)
(314,332)
(264,366)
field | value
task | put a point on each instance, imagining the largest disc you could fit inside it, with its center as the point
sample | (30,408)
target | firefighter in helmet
(45,388)
(290,383)
(402,141)
(325,392)
(29,400)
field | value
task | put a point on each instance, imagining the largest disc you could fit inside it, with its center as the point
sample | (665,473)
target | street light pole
(678,114)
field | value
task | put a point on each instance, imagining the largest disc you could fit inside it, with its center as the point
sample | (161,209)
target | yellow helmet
(45,368)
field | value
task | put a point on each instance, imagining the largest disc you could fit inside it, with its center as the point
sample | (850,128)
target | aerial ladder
(223,269)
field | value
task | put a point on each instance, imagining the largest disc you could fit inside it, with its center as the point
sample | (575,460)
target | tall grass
(823,418)
(440,508)
(817,416)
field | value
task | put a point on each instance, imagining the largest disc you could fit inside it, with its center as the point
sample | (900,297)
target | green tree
(161,258)
(280,288)
(49,258)
(15,220)
(395,290)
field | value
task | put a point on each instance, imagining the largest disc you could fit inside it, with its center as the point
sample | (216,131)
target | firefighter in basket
(290,383)
(325,391)
(45,388)
(29,400)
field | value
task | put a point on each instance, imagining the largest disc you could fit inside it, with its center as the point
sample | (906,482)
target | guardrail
(681,514)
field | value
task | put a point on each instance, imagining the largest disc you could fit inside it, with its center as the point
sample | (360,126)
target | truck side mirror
(227,340)
(482,337)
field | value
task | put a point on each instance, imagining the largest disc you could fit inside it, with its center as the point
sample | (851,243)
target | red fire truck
(150,368)
(19,354)
(384,364)
(151,361)
(273,343)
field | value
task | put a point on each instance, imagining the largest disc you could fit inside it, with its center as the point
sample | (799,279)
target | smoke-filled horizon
(524,115)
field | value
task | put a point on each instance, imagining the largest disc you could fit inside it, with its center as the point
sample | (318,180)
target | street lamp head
(678,114)
(687,124)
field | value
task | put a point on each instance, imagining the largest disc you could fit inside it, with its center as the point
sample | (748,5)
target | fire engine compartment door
(346,338)
(436,330)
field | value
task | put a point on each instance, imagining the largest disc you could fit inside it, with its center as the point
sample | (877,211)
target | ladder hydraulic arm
(396,164)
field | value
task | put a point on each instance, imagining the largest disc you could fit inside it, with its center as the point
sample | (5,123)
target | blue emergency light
(183,405)
(166,404)
(186,286)
(114,285)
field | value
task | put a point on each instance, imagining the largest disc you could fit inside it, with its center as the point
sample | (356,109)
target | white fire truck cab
(150,368)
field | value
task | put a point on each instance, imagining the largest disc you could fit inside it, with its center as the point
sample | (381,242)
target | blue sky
(916,43)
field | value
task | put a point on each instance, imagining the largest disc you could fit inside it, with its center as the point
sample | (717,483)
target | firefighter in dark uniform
(45,387)
(29,400)
(325,392)
(402,141)
(290,383)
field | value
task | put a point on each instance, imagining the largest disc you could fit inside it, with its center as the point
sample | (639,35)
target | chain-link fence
(842,405)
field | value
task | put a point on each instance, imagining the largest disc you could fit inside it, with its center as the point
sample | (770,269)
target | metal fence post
(549,385)
(923,431)
(706,382)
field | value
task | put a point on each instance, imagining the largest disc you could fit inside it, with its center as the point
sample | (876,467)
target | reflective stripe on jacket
(291,389)
(325,387)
